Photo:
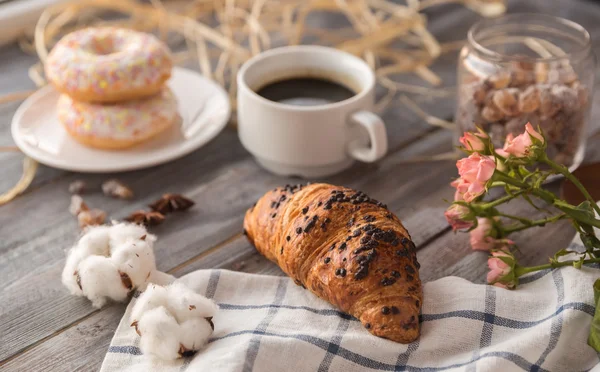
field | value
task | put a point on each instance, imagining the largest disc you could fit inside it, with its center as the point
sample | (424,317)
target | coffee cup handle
(376,129)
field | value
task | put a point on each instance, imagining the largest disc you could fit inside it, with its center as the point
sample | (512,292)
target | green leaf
(594,337)
(582,213)
(557,255)
(586,206)
(564,252)
(589,241)
(587,229)
(577,264)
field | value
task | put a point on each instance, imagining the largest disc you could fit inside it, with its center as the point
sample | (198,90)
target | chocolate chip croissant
(347,249)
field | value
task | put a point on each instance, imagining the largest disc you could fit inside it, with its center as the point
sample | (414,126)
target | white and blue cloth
(267,323)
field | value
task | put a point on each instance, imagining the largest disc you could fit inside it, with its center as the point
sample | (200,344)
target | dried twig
(29,170)
(432,120)
(18,96)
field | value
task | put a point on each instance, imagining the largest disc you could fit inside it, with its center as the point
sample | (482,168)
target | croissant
(346,248)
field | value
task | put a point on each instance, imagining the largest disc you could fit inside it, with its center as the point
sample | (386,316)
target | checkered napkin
(267,323)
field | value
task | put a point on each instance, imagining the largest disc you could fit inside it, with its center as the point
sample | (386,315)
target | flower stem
(526,223)
(503,177)
(568,175)
(547,196)
(504,199)
(497,184)
(520,270)
(524,187)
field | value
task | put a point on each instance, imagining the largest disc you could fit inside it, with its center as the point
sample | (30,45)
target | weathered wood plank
(86,351)
(13,69)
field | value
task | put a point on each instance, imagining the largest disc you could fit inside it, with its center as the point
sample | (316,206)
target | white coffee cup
(309,141)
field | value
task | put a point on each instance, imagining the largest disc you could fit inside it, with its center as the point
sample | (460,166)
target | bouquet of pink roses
(514,168)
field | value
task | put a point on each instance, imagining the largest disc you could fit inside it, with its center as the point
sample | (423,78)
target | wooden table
(42,327)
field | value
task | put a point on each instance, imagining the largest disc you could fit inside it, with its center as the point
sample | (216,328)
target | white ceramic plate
(203,106)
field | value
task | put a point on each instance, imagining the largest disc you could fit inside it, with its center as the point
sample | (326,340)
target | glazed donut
(108,64)
(117,126)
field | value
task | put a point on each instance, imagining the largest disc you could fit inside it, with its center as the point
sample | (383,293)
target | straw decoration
(220,35)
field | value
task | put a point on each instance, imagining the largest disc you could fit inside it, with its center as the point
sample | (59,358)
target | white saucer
(203,106)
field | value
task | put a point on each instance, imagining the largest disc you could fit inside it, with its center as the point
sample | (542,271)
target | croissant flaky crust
(346,248)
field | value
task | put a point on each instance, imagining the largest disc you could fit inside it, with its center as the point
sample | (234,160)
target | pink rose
(480,237)
(457,195)
(475,171)
(520,146)
(501,152)
(467,191)
(473,141)
(457,217)
(533,133)
(501,274)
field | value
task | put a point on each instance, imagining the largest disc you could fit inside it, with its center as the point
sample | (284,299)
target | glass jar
(528,68)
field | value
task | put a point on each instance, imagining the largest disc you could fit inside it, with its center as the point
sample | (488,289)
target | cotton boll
(153,297)
(100,279)
(70,272)
(124,253)
(136,259)
(172,321)
(194,333)
(159,334)
(186,304)
(124,232)
(95,241)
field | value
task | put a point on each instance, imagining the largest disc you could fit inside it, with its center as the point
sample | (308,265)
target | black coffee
(305,91)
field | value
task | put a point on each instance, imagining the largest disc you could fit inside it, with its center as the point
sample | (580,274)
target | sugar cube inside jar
(528,68)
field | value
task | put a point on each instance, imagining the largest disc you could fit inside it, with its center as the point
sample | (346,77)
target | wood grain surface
(43,328)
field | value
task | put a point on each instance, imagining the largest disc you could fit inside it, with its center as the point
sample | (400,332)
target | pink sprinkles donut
(108,64)
(122,125)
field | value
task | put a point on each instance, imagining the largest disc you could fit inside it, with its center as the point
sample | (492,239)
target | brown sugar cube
(506,101)
(582,94)
(522,74)
(549,105)
(567,97)
(529,100)
(480,91)
(541,72)
(500,80)
(567,75)
(491,114)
